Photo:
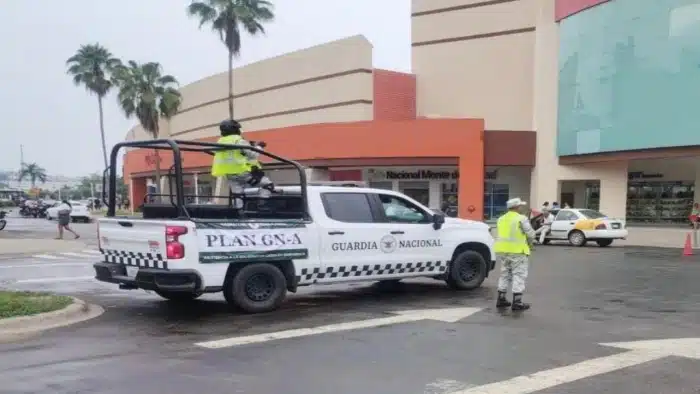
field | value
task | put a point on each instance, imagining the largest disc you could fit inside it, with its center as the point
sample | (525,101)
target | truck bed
(277,207)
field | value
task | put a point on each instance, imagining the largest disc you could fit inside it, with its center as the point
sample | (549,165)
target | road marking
(639,352)
(450,315)
(52,280)
(47,256)
(44,265)
(91,251)
(75,254)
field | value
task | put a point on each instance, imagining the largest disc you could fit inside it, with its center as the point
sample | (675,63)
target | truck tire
(178,296)
(467,271)
(257,288)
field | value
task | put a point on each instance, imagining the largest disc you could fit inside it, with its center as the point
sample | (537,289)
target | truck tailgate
(133,242)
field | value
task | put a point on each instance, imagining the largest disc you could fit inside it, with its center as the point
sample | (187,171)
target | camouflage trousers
(514,268)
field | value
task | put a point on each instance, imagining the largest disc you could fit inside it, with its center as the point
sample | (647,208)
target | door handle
(336,232)
(397,232)
(572,222)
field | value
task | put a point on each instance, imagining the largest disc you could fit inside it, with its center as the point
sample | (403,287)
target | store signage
(430,175)
(151,159)
(643,175)
(422,174)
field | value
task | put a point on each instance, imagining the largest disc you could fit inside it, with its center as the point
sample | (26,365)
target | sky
(57,123)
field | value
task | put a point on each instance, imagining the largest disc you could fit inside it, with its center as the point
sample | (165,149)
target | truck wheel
(257,288)
(178,296)
(467,271)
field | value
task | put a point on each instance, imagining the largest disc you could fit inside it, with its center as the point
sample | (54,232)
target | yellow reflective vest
(230,162)
(511,238)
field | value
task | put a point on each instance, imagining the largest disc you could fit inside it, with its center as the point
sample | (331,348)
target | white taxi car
(79,212)
(579,226)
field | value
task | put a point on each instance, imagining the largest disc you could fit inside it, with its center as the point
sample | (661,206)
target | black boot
(518,304)
(502,300)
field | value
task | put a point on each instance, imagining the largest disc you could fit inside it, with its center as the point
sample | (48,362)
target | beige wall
(486,71)
(547,175)
(326,83)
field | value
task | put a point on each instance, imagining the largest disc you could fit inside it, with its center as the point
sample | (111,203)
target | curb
(21,327)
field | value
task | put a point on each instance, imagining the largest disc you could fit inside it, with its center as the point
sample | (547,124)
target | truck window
(348,207)
(402,211)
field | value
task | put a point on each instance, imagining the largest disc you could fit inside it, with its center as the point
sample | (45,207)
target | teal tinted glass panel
(629,77)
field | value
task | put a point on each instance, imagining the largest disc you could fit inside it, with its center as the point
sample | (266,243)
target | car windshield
(591,214)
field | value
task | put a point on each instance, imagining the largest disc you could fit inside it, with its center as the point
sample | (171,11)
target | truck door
(412,228)
(351,241)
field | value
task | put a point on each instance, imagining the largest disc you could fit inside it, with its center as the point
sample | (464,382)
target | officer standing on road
(513,244)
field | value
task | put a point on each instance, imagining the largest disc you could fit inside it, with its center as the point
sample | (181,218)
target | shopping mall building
(589,102)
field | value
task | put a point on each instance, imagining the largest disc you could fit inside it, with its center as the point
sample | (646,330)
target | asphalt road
(581,297)
(19,227)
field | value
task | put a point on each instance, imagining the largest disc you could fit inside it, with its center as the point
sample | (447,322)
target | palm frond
(146,94)
(203,11)
(227,17)
(91,67)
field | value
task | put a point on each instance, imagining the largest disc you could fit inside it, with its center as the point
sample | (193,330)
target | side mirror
(438,220)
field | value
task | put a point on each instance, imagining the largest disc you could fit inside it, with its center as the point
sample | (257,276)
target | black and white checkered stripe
(307,275)
(135,259)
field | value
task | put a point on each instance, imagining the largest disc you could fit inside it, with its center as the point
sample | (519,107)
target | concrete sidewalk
(663,237)
(21,246)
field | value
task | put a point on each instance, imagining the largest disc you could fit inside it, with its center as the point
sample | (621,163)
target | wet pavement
(581,297)
(37,228)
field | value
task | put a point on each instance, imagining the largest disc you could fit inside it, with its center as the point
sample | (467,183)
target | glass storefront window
(206,185)
(659,202)
(495,198)
(448,199)
(419,191)
(384,185)
(592,200)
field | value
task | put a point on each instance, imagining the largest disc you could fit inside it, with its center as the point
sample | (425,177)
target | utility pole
(21,165)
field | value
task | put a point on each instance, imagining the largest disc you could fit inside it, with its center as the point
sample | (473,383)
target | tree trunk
(102,131)
(230,85)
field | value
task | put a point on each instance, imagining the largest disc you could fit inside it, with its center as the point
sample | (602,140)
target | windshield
(591,214)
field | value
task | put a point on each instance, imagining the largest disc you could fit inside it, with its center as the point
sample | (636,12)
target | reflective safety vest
(511,238)
(229,162)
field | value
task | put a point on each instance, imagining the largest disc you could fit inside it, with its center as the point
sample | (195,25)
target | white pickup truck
(334,235)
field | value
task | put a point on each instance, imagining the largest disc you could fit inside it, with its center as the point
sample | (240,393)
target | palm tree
(91,67)
(227,17)
(147,94)
(33,172)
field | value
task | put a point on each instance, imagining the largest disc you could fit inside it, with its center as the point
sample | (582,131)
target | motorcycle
(3,221)
(41,211)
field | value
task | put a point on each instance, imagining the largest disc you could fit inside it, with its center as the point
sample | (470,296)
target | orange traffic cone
(688,248)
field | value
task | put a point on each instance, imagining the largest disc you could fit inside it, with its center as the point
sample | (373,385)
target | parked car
(80,212)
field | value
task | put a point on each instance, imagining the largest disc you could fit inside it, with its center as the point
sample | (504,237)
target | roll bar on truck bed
(109,177)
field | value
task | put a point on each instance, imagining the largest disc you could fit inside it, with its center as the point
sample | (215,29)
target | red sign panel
(566,8)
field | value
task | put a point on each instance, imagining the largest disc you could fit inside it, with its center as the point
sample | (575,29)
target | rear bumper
(185,280)
(606,234)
